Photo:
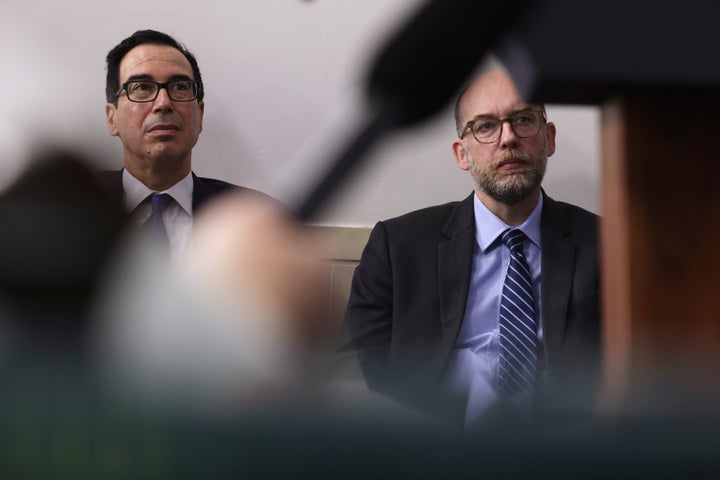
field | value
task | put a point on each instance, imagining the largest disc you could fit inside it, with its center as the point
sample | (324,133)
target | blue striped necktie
(518,337)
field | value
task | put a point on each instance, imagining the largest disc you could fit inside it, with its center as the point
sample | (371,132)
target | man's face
(512,168)
(161,134)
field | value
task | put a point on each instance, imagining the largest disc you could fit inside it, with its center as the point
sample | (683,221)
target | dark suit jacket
(409,294)
(203,188)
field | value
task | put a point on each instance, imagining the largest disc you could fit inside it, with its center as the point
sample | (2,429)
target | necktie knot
(513,238)
(159,202)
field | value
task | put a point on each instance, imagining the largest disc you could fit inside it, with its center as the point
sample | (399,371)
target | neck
(158,178)
(512,215)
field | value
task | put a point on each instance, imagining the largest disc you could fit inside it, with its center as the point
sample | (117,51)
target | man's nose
(163,100)
(508,138)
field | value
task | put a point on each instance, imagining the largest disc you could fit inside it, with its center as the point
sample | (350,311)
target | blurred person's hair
(61,228)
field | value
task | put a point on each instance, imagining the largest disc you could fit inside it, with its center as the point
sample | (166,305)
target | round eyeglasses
(488,129)
(147,91)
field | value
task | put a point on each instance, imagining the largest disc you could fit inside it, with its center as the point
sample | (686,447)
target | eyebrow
(145,76)
(514,112)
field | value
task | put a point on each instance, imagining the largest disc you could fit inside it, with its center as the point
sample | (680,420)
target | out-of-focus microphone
(417,72)
(423,65)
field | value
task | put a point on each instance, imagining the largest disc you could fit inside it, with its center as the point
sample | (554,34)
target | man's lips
(164,128)
(511,163)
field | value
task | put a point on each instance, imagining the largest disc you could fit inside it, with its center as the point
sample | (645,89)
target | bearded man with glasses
(155,105)
(435,317)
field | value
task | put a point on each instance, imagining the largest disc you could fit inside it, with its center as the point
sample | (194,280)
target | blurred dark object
(585,52)
(650,66)
(416,73)
(59,230)
(429,59)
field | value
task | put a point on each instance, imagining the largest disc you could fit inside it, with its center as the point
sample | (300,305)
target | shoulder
(579,215)
(417,230)
(568,217)
(437,222)
(425,218)
(435,215)
(425,214)
(205,188)
(212,184)
(216,186)
(576,212)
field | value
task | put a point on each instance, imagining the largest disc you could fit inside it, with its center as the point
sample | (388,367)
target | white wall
(283,89)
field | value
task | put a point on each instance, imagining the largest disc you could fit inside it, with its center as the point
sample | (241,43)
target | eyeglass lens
(524,124)
(145,90)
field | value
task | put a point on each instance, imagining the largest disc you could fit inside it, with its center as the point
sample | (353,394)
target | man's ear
(202,113)
(110,111)
(550,138)
(460,153)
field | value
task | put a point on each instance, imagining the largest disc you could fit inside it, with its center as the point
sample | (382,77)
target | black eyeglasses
(147,91)
(488,129)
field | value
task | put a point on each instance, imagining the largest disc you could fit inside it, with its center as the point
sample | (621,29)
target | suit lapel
(558,266)
(200,192)
(454,266)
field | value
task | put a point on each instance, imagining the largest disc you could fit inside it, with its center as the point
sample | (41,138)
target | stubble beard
(509,186)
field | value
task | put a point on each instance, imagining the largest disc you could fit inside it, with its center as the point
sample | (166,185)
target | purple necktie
(159,202)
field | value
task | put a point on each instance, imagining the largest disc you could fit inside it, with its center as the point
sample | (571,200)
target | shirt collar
(488,227)
(136,191)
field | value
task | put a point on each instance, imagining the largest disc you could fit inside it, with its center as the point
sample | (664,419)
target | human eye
(181,86)
(140,90)
(141,87)
(485,125)
(182,90)
(524,118)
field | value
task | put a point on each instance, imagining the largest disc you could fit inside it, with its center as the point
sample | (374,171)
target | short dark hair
(115,56)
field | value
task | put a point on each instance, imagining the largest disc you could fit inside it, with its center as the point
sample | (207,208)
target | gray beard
(509,188)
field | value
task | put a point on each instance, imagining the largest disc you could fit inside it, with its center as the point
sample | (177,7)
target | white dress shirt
(178,215)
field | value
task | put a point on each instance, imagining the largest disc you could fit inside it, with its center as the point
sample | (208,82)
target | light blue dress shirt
(476,354)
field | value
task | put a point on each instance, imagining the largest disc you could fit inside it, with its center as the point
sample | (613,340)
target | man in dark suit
(425,311)
(155,106)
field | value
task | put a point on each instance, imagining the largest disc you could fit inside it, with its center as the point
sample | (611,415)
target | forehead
(157,61)
(493,94)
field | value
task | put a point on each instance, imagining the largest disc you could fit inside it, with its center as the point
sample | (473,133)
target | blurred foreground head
(234,327)
(59,231)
